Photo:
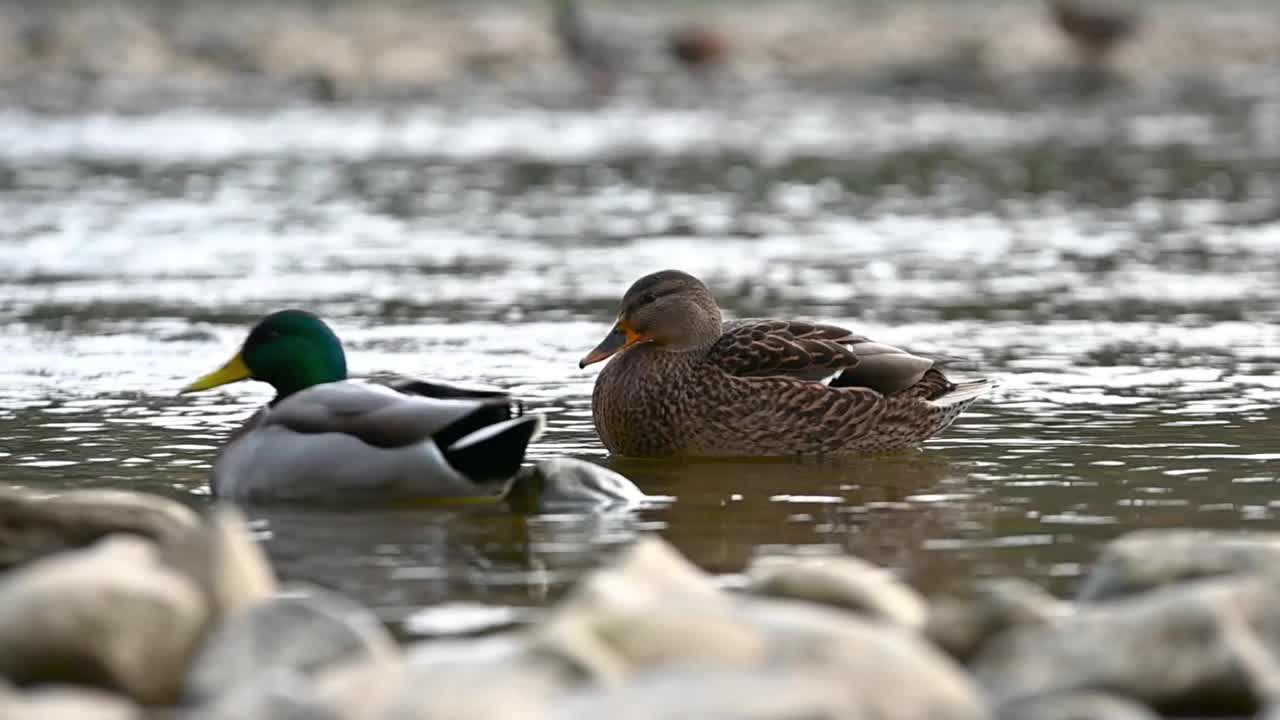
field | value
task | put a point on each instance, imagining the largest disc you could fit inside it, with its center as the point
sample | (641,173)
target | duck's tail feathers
(495,452)
(965,392)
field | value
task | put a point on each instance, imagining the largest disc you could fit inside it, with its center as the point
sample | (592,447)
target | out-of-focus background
(1080,198)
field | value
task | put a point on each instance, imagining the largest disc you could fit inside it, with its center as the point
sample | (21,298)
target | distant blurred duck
(696,46)
(684,383)
(606,53)
(1096,27)
(325,437)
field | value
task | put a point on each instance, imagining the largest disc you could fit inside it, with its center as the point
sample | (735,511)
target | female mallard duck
(326,437)
(686,384)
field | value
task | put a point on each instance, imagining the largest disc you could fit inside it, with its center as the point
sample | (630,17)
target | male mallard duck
(686,384)
(325,436)
(1095,27)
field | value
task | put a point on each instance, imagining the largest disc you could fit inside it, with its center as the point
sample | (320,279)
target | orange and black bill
(621,337)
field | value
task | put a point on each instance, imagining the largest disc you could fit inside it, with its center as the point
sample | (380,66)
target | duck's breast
(275,463)
(639,404)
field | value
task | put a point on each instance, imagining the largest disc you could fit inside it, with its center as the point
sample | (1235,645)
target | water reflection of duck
(1096,28)
(400,559)
(684,383)
(323,436)
(728,510)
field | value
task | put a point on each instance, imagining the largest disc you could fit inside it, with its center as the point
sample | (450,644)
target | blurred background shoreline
(139,54)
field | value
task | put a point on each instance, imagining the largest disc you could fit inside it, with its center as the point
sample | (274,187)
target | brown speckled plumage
(686,384)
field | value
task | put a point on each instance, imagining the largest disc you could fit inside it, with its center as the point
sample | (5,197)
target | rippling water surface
(1113,262)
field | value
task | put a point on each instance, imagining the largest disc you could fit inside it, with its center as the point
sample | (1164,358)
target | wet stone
(721,693)
(653,612)
(502,676)
(67,703)
(109,616)
(844,582)
(274,694)
(870,658)
(1076,706)
(1147,559)
(613,646)
(651,606)
(1204,647)
(34,525)
(303,629)
(502,691)
(224,560)
(961,626)
(649,573)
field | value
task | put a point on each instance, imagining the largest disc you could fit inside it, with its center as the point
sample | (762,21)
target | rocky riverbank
(140,53)
(124,605)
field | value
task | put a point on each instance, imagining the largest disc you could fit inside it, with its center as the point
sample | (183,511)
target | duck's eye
(647,298)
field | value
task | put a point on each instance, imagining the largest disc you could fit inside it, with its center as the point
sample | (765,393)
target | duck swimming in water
(682,382)
(326,437)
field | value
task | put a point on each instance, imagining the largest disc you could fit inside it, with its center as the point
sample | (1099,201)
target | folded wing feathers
(820,353)
(383,417)
(780,347)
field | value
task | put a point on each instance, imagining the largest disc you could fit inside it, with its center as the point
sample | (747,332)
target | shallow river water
(1115,263)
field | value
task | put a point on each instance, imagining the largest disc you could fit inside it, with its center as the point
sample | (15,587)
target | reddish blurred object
(697,46)
(1096,27)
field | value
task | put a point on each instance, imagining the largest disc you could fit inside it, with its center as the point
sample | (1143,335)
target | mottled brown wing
(803,350)
(784,415)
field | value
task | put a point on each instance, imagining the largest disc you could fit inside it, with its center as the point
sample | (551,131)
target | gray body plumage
(355,441)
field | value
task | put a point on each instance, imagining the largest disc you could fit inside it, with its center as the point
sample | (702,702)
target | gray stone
(362,689)
(224,560)
(305,629)
(34,524)
(278,693)
(961,626)
(820,663)
(870,658)
(67,703)
(649,573)
(507,691)
(612,646)
(653,612)
(109,615)
(571,484)
(682,693)
(500,676)
(845,582)
(1146,559)
(1203,647)
(651,606)
(1076,706)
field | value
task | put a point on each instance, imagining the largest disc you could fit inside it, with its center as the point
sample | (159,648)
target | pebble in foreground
(180,617)
(684,383)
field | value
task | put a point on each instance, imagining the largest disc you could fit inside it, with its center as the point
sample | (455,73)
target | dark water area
(1113,260)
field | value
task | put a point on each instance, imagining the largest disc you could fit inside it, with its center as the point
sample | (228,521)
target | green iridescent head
(290,350)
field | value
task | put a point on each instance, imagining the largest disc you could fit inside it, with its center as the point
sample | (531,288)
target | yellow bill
(234,371)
